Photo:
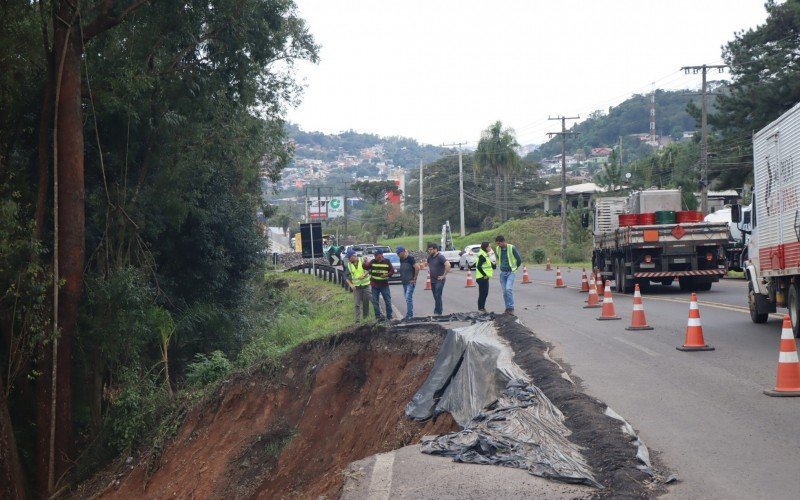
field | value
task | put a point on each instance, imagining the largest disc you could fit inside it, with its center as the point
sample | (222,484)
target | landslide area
(292,432)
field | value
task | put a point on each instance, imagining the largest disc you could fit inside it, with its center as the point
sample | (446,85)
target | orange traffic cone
(428,282)
(599,284)
(559,279)
(548,268)
(584,282)
(694,330)
(470,281)
(608,311)
(788,383)
(593,301)
(638,322)
(525,278)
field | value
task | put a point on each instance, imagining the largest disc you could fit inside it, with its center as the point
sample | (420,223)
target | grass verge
(310,309)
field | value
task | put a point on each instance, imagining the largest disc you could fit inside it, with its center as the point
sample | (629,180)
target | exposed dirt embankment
(294,432)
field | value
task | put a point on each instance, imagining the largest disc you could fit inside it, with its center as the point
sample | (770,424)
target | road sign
(325,206)
(309,233)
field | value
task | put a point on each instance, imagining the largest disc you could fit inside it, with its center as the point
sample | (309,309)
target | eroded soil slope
(294,432)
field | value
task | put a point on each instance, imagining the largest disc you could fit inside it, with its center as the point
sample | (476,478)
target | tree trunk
(45,124)
(68,133)
(12,485)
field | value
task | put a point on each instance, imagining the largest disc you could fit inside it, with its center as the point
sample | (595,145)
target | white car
(470,256)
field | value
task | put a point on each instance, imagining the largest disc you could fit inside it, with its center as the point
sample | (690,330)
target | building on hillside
(575,194)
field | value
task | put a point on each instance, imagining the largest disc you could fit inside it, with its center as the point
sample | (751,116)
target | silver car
(470,256)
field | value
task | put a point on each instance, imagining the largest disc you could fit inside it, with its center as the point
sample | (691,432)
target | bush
(538,255)
(575,254)
(207,369)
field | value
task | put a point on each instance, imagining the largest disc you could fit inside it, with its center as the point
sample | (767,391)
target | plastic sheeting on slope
(506,421)
(472,368)
(522,429)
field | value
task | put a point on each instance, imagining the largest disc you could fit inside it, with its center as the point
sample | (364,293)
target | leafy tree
(376,191)
(765,82)
(495,154)
(611,177)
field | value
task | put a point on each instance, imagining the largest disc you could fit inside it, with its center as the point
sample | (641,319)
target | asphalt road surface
(702,413)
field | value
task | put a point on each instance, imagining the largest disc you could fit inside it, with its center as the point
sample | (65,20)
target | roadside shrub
(538,255)
(134,409)
(207,369)
(575,254)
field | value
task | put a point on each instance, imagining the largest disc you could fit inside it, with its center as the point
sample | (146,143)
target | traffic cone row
(599,284)
(593,302)
(428,282)
(559,279)
(608,312)
(549,267)
(638,321)
(470,281)
(694,330)
(526,280)
(584,282)
(788,381)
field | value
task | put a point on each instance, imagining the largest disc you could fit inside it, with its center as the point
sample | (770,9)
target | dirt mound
(611,453)
(292,434)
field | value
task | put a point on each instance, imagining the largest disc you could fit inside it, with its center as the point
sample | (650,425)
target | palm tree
(495,154)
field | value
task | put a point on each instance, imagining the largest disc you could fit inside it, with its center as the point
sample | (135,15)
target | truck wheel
(794,309)
(702,287)
(686,284)
(756,316)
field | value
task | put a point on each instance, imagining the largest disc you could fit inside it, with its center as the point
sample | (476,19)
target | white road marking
(636,346)
(380,484)
(715,305)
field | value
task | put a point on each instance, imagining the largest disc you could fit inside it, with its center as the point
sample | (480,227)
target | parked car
(358,248)
(470,256)
(395,260)
(369,252)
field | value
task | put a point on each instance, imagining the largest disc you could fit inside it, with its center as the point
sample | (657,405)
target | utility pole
(420,207)
(703,130)
(460,183)
(563,135)
(344,208)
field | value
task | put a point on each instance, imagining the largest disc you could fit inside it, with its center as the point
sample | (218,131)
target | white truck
(773,247)
(656,251)
(447,248)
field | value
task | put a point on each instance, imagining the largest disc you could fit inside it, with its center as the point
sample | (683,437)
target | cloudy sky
(440,71)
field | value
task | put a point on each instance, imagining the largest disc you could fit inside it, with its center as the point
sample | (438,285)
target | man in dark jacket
(380,269)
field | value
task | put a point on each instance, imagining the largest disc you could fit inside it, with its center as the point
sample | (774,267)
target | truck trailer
(646,238)
(773,247)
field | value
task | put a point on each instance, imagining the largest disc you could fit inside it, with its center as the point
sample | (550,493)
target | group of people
(371,279)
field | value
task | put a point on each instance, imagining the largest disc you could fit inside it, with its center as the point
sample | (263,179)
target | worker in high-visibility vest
(381,270)
(358,279)
(484,268)
(509,261)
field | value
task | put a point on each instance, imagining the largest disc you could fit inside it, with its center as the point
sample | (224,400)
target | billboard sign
(325,207)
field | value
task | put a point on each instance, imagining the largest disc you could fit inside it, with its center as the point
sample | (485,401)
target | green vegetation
(309,309)
(632,116)
(169,115)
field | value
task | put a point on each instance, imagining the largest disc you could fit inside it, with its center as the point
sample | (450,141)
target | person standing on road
(510,261)
(358,279)
(484,268)
(380,269)
(438,267)
(409,270)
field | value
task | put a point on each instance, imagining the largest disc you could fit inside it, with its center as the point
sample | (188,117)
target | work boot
(510,312)
(482,310)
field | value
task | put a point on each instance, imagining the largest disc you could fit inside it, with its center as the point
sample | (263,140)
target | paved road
(703,412)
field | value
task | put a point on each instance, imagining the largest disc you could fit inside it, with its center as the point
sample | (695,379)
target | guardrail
(324,272)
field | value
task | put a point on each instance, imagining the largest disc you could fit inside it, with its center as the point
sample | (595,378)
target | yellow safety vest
(379,270)
(358,276)
(512,259)
(486,268)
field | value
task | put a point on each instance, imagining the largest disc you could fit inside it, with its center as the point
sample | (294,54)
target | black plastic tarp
(505,420)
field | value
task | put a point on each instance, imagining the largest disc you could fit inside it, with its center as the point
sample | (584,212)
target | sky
(441,71)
